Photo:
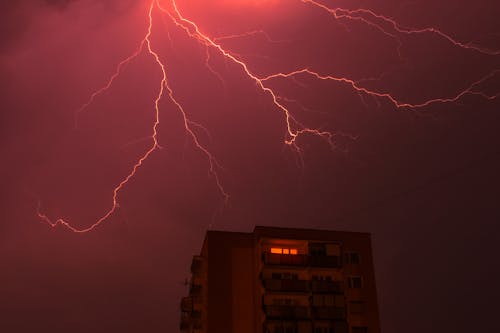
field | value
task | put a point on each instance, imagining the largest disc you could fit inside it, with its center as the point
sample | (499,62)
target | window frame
(351,282)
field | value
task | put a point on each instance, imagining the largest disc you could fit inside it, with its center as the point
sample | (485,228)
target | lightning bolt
(365,16)
(164,88)
(110,82)
(398,104)
(293,129)
(260,32)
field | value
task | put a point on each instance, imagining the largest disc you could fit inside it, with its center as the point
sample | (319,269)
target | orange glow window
(279,250)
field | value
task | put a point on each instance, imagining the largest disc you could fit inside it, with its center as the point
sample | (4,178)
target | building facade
(279,280)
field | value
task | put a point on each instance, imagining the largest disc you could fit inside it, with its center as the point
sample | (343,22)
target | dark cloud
(59,3)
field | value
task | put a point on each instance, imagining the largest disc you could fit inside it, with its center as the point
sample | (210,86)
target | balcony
(327,312)
(196,315)
(287,312)
(325,261)
(301,260)
(197,265)
(334,287)
(189,323)
(285,259)
(283,326)
(286,285)
(187,304)
(195,290)
(185,325)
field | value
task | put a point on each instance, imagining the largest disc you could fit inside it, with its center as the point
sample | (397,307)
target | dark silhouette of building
(278,280)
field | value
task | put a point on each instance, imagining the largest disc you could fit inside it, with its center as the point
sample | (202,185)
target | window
(328,300)
(280,250)
(317,300)
(284,328)
(332,249)
(352,258)
(283,301)
(289,276)
(321,278)
(355,282)
(285,276)
(317,249)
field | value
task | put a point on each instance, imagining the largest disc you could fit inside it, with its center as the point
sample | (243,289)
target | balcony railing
(195,290)
(185,325)
(326,287)
(187,304)
(286,285)
(301,260)
(285,259)
(327,312)
(324,261)
(197,265)
(282,326)
(287,312)
(188,324)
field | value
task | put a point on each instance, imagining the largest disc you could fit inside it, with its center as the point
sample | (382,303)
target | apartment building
(280,280)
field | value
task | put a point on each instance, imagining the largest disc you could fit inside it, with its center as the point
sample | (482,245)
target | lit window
(279,250)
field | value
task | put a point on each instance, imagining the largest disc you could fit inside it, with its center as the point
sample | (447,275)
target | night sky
(424,181)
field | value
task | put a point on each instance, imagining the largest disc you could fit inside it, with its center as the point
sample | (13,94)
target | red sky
(424,181)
